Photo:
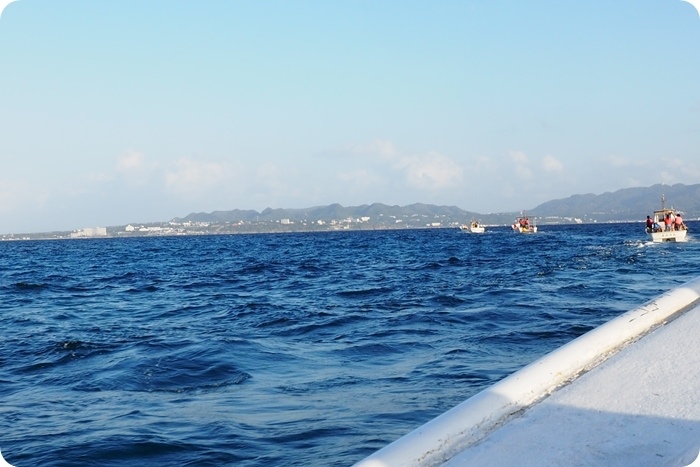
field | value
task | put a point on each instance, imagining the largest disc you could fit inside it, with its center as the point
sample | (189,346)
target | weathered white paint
(442,438)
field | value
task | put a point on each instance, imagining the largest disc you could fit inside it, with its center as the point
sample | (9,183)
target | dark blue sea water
(301,349)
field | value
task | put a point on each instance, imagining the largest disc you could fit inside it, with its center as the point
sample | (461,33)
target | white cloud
(432,171)
(629,172)
(18,195)
(383,148)
(522,168)
(667,178)
(518,157)
(360,178)
(133,161)
(130,160)
(552,164)
(274,185)
(133,168)
(675,170)
(674,163)
(191,178)
(679,172)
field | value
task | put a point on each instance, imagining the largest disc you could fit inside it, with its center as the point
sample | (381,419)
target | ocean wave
(305,349)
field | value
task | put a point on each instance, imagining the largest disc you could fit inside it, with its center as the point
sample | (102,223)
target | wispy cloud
(552,164)
(360,178)
(16,195)
(619,161)
(376,163)
(431,171)
(679,171)
(189,177)
(674,163)
(273,179)
(522,164)
(380,148)
(133,168)
(131,161)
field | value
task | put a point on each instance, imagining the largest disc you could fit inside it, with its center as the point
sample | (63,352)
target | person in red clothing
(650,224)
(667,222)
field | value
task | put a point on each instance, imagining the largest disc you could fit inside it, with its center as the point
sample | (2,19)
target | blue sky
(128,111)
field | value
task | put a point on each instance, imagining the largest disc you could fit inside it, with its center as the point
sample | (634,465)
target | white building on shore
(89,232)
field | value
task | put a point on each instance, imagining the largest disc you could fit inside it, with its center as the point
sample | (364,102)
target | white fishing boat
(666,225)
(473,227)
(524,225)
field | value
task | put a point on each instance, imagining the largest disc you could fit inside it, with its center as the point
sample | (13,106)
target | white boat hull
(473,228)
(669,236)
(525,230)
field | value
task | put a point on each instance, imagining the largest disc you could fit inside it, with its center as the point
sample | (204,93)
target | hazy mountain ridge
(330,212)
(628,204)
(625,204)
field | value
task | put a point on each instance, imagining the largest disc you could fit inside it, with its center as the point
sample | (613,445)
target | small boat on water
(473,227)
(666,225)
(524,225)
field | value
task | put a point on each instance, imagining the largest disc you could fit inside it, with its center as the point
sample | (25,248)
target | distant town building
(90,232)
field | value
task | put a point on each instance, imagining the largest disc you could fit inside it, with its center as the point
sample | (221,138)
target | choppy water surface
(290,349)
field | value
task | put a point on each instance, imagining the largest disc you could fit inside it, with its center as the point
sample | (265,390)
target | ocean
(298,349)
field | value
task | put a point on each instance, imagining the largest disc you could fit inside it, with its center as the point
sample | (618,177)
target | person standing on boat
(678,221)
(650,224)
(667,222)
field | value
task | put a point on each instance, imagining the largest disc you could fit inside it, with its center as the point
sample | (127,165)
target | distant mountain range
(629,204)
(626,204)
(328,213)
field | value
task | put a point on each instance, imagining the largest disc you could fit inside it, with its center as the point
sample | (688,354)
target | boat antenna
(663,201)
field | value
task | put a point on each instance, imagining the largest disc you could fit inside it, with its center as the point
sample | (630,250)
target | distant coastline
(626,205)
(169,229)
